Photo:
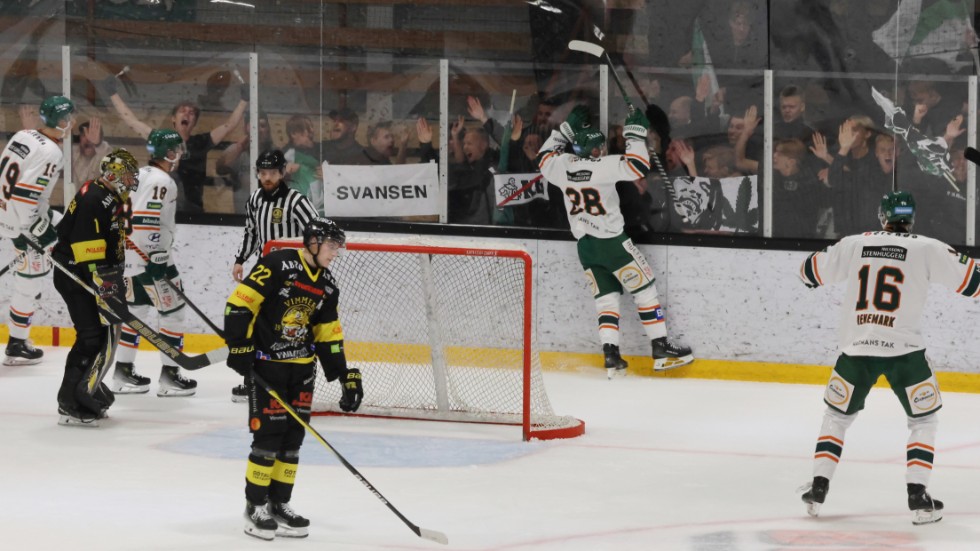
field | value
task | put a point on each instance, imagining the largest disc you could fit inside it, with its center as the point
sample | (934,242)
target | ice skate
(290,524)
(172,383)
(125,380)
(70,417)
(925,510)
(814,494)
(21,352)
(239,394)
(667,355)
(615,364)
(258,522)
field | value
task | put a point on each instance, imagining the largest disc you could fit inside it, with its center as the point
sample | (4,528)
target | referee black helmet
(271,159)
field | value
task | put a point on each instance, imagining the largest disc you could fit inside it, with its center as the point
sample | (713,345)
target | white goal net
(441,331)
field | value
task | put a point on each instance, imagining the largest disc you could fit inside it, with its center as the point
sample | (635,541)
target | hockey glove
(156,268)
(579,119)
(241,356)
(636,125)
(110,85)
(110,284)
(43,230)
(350,385)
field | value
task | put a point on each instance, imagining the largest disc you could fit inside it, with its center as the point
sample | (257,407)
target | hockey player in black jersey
(278,321)
(91,243)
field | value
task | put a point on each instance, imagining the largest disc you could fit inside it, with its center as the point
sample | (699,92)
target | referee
(273,212)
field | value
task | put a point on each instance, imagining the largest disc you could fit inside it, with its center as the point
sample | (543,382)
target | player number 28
(587,200)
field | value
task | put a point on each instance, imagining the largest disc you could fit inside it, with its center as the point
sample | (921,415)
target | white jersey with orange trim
(29,169)
(153,219)
(888,276)
(589,185)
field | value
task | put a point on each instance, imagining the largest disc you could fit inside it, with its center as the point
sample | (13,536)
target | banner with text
(519,189)
(380,190)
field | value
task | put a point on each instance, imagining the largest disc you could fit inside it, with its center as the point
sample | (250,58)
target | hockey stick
(432,535)
(601,53)
(16,260)
(972,155)
(187,362)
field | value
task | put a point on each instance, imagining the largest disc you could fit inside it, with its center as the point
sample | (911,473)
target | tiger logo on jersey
(296,319)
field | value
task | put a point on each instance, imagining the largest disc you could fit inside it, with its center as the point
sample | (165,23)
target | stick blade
(433,535)
(972,155)
(586,47)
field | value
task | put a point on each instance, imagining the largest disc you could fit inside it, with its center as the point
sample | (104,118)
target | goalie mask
(897,207)
(161,142)
(56,109)
(120,171)
(589,143)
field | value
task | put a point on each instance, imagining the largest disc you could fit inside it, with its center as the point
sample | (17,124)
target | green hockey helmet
(897,207)
(163,140)
(54,109)
(587,141)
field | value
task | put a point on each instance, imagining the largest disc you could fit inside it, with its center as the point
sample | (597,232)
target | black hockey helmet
(271,159)
(322,229)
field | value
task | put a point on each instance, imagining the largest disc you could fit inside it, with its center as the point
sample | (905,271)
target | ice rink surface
(664,464)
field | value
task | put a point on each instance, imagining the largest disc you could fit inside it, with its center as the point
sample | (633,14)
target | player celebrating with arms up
(610,259)
(276,319)
(888,274)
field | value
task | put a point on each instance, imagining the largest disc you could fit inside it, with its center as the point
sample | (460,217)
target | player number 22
(260,274)
(886,296)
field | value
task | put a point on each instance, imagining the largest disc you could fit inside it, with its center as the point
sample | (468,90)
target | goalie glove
(353,392)
(110,286)
(156,268)
(636,125)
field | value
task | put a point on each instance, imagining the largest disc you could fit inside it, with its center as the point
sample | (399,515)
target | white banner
(380,190)
(519,189)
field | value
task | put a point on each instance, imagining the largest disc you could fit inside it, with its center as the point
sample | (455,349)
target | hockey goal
(443,331)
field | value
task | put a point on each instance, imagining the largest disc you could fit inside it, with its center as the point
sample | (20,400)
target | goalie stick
(183,360)
(598,51)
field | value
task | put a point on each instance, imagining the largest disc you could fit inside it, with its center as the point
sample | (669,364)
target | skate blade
(175,393)
(127,388)
(69,421)
(921,517)
(663,364)
(15,360)
(813,509)
(289,532)
(255,532)
(613,372)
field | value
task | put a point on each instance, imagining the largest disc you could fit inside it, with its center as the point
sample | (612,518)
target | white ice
(665,464)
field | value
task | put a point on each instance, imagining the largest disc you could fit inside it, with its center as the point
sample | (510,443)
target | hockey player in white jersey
(887,274)
(572,159)
(29,168)
(149,264)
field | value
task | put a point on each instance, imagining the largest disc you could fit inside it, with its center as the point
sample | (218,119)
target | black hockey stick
(183,360)
(16,260)
(601,53)
(972,155)
(432,535)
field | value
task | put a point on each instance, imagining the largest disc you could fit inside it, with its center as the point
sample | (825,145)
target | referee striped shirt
(281,215)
